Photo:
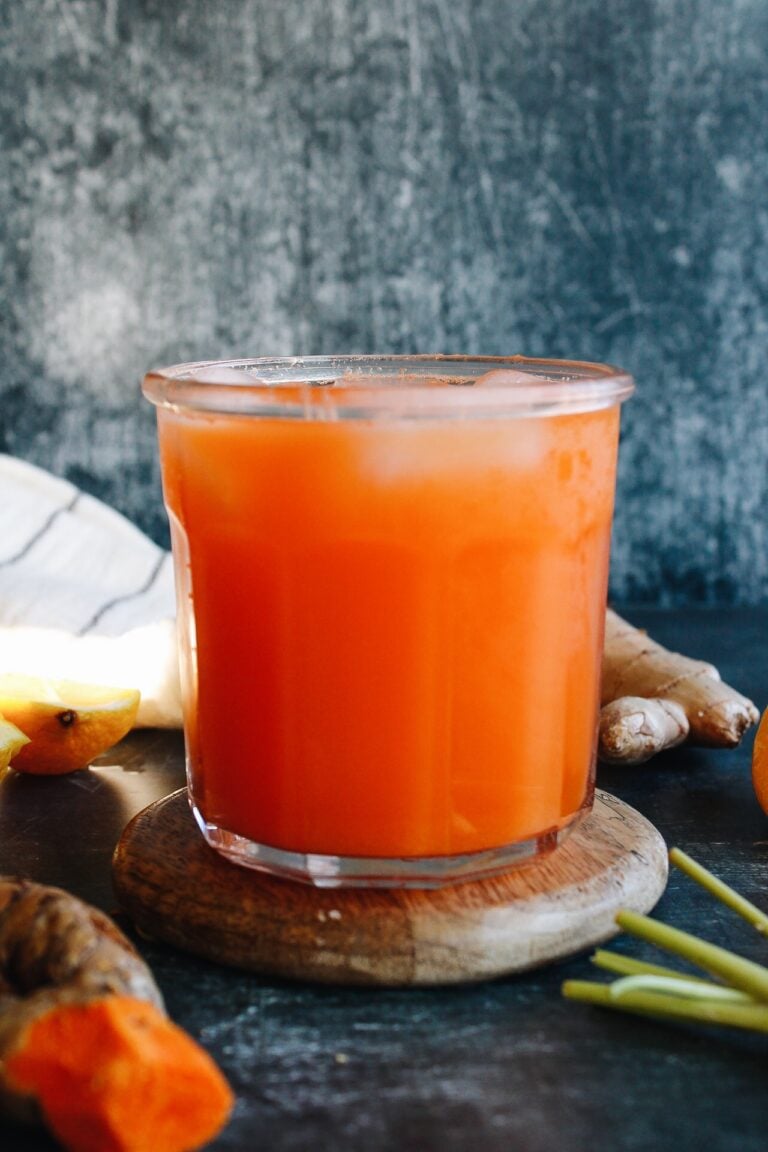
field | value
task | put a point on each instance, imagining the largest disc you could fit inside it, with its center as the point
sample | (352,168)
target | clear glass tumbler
(391,577)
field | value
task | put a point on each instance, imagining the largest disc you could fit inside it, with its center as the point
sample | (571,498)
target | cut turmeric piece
(85,1046)
(114,1075)
(66,724)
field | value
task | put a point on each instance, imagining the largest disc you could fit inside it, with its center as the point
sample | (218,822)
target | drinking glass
(391,578)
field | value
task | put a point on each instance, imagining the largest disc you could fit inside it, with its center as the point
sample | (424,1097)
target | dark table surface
(504,1066)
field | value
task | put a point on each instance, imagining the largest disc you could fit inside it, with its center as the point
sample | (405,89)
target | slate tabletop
(506,1065)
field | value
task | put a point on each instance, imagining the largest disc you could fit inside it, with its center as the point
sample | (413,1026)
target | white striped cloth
(84,595)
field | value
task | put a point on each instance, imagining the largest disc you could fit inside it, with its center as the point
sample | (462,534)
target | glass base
(380,872)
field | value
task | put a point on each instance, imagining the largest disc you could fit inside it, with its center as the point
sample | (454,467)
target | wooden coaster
(177,889)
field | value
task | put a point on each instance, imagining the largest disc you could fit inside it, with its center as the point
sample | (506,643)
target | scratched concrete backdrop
(588,178)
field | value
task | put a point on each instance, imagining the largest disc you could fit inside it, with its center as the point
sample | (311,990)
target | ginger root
(653,699)
(85,1045)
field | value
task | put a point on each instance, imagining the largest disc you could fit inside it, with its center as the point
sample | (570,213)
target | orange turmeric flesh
(114,1075)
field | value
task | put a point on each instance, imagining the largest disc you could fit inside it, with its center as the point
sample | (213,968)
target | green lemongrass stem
(720,890)
(744,974)
(628,966)
(753,1017)
(677,986)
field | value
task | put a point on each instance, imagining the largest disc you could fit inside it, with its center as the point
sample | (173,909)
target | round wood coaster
(177,889)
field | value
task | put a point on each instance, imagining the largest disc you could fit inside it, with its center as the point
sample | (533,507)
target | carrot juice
(391,578)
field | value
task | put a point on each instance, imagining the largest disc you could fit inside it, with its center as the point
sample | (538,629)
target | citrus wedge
(12,740)
(760,763)
(67,724)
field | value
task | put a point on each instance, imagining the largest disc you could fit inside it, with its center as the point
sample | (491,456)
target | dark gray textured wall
(585,178)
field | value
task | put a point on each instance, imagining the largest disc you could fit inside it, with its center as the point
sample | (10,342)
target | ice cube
(510,378)
(222,374)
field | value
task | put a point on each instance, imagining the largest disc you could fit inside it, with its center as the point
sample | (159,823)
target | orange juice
(391,624)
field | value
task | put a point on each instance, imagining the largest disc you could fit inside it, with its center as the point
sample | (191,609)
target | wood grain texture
(178,890)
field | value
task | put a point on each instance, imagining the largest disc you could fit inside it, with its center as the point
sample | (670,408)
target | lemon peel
(67,724)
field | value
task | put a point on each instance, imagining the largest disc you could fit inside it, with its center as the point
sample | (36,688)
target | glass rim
(354,386)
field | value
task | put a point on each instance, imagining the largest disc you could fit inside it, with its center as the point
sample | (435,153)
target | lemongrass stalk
(753,1017)
(720,890)
(628,966)
(676,986)
(744,974)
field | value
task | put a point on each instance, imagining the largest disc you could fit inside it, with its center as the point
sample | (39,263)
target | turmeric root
(653,699)
(85,1045)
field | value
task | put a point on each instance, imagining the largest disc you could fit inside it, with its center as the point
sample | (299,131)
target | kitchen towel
(84,594)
